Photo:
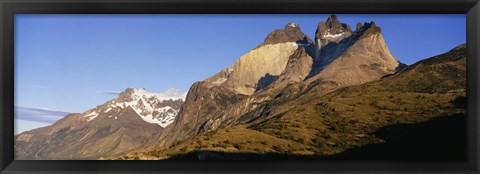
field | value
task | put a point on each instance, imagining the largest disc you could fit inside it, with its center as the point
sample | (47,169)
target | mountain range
(113,128)
(289,97)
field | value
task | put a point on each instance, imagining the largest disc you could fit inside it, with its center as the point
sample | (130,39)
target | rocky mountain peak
(290,33)
(367,25)
(293,25)
(332,19)
(131,92)
(263,63)
(365,48)
(137,93)
(159,108)
(359,26)
(127,91)
(331,26)
(331,41)
(333,23)
(368,28)
(116,126)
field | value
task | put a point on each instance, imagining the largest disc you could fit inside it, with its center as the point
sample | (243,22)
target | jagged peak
(368,29)
(370,25)
(159,108)
(292,25)
(290,33)
(170,94)
(332,19)
(332,26)
(358,27)
(129,92)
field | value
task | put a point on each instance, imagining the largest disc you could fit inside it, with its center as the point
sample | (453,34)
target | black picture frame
(8,8)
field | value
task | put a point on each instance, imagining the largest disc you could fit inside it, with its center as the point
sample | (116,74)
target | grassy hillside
(349,119)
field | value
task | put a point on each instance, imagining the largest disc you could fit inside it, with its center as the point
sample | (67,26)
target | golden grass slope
(319,126)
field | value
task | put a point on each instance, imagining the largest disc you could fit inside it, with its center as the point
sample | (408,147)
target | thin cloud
(38,114)
(171,93)
(39,87)
(110,92)
(175,93)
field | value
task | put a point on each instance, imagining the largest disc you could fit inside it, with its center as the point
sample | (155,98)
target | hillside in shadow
(440,139)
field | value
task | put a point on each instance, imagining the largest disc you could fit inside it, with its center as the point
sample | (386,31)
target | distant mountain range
(289,97)
(115,127)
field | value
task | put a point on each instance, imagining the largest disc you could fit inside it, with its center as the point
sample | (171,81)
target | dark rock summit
(290,33)
(331,26)
(359,26)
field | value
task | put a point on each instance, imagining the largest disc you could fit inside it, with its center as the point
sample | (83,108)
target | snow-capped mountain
(287,65)
(115,127)
(158,108)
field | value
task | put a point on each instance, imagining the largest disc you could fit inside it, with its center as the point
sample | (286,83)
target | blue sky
(71,63)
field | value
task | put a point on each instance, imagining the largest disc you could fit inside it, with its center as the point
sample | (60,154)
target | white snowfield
(91,116)
(107,110)
(171,93)
(333,35)
(145,104)
(293,24)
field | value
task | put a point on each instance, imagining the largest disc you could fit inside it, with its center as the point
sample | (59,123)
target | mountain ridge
(324,126)
(260,98)
(289,94)
(115,127)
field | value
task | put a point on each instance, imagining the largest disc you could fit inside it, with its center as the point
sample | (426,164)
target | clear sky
(71,63)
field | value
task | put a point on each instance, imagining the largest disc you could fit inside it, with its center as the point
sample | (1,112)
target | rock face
(245,77)
(287,70)
(208,101)
(361,57)
(328,37)
(262,65)
(370,121)
(299,65)
(290,33)
(334,40)
(285,66)
(200,112)
(115,127)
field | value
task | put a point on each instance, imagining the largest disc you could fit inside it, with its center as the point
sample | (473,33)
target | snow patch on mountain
(91,116)
(167,112)
(293,24)
(333,35)
(151,107)
(171,93)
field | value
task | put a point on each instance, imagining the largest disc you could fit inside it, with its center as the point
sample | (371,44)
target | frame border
(8,9)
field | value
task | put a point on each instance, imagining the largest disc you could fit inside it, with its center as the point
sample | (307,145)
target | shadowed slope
(426,98)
